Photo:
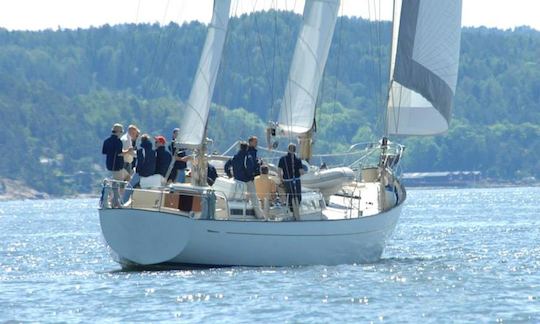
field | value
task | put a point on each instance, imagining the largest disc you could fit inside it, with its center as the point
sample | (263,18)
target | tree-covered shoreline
(60,91)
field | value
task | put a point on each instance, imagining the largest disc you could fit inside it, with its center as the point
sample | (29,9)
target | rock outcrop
(18,190)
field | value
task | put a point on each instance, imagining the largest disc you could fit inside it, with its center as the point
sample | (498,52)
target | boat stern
(144,237)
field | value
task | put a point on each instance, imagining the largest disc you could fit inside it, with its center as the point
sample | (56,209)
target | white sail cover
(193,125)
(297,111)
(424,66)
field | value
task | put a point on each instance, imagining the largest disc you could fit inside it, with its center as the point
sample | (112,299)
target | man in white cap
(127,147)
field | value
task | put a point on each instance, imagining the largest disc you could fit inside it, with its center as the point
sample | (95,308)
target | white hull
(142,237)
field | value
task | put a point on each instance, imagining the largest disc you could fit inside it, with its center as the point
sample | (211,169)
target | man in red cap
(163,157)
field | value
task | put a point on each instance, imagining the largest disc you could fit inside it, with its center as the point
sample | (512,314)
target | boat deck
(354,201)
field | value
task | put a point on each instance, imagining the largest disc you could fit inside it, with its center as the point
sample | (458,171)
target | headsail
(424,66)
(192,129)
(298,106)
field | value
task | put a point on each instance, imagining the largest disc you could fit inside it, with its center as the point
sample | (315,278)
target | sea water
(457,255)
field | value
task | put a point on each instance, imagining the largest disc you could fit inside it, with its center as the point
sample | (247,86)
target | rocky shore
(18,190)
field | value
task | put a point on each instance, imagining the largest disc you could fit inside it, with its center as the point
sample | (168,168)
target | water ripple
(457,255)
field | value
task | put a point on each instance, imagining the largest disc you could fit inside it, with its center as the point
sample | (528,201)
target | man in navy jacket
(163,157)
(243,169)
(146,158)
(146,165)
(112,148)
(252,150)
(290,169)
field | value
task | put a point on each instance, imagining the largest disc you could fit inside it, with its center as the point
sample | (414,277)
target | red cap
(160,139)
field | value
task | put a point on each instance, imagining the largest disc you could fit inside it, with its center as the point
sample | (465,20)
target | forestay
(297,111)
(192,129)
(424,66)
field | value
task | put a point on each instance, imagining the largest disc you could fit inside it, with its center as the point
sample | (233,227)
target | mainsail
(297,111)
(424,66)
(193,125)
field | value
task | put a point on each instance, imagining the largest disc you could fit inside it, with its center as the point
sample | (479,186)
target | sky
(43,14)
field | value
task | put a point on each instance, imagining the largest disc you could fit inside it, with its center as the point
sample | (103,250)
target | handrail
(108,185)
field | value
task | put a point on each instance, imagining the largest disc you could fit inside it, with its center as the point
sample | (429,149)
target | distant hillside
(60,91)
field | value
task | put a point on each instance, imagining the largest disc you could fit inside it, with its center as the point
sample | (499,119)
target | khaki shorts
(120,175)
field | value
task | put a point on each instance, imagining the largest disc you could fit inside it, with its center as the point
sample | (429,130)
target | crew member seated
(266,188)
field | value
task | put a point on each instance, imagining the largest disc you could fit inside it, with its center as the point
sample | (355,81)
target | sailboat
(348,213)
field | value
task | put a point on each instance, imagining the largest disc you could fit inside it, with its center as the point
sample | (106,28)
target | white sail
(424,66)
(193,125)
(298,106)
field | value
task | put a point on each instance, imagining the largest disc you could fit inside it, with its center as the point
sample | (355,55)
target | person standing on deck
(163,157)
(290,169)
(243,168)
(128,149)
(146,158)
(112,148)
(146,166)
(252,150)
(178,172)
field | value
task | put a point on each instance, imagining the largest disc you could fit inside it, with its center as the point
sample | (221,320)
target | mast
(192,132)
(199,165)
(297,112)
(390,68)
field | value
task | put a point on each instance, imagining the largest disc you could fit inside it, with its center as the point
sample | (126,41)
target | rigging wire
(374,17)
(169,46)
(380,59)
(390,91)
(133,55)
(271,110)
(289,113)
(259,39)
(338,62)
(224,61)
(138,11)
(155,82)
(282,66)
(390,96)
(248,58)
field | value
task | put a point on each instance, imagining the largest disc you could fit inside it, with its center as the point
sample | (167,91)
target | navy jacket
(146,160)
(163,160)
(253,153)
(227,167)
(181,152)
(243,166)
(291,166)
(112,147)
(211,175)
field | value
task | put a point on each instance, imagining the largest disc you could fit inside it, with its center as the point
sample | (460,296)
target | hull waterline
(146,238)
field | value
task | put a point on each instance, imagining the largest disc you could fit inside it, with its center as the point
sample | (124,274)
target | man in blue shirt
(290,170)
(112,148)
